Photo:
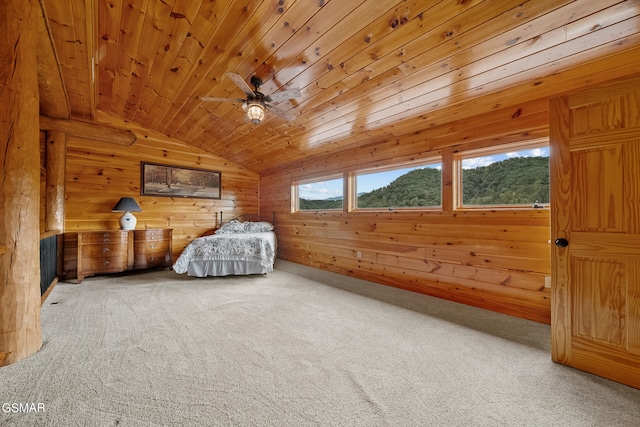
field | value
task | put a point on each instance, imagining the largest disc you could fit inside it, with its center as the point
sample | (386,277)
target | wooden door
(595,221)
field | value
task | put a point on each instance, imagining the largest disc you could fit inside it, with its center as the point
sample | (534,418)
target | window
(418,186)
(517,177)
(324,194)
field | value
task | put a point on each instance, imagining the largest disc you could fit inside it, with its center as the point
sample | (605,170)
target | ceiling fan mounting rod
(256,82)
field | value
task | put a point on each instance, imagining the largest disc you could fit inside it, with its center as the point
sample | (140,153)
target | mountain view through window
(518,178)
(508,179)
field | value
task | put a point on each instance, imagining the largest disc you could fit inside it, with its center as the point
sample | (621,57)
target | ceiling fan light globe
(255,113)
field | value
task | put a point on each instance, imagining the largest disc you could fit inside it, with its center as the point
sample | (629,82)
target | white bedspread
(227,254)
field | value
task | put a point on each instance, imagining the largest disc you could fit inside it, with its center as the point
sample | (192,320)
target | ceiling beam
(96,131)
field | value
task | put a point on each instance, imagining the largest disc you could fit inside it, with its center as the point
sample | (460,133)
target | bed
(236,248)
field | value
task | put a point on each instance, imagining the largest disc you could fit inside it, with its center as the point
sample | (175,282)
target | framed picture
(177,181)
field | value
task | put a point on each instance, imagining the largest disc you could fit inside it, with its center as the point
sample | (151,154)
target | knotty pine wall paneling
(498,259)
(99,173)
(43,182)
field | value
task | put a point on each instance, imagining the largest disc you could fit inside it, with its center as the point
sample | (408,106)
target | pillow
(258,227)
(235,226)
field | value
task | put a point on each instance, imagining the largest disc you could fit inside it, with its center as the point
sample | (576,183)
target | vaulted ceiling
(368,70)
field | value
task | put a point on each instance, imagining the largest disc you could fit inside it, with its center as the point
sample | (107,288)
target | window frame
(295,192)
(353,190)
(488,151)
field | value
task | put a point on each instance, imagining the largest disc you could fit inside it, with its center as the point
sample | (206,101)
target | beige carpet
(298,347)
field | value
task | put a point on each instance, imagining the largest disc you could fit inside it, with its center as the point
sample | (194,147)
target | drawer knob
(105,250)
(105,262)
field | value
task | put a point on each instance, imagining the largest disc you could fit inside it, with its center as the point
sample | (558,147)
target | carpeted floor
(297,347)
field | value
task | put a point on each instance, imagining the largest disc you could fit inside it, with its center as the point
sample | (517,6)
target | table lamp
(127,205)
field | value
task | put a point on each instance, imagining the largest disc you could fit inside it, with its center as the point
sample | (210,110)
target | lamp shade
(127,205)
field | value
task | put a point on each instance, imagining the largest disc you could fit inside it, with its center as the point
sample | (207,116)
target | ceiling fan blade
(211,98)
(284,114)
(237,79)
(285,94)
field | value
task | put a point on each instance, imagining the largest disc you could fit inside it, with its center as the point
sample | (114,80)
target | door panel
(595,164)
(599,300)
(599,188)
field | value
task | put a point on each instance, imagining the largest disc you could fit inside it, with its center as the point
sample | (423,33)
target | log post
(55,160)
(20,333)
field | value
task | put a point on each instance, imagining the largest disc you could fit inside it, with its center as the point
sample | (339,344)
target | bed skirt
(226,268)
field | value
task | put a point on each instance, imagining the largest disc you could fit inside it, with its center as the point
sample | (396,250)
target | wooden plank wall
(495,259)
(43,182)
(99,173)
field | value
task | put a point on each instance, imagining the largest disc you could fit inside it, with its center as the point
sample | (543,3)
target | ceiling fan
(256,102)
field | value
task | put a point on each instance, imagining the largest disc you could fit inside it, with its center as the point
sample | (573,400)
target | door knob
(562,243)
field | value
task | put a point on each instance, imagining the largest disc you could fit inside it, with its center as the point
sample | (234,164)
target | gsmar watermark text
(22,408)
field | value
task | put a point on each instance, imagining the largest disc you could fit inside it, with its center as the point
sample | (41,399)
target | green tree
(315,205)
(516,181)
(417,188)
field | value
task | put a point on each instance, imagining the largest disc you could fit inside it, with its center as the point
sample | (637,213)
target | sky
(321,190)
(368,182)
(487,160)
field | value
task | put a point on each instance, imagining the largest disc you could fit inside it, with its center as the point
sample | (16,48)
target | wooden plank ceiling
(368,70)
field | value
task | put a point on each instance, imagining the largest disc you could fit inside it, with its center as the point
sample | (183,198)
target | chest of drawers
(87,253)
(152,248)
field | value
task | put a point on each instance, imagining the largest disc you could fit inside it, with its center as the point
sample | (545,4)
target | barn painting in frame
(178,181)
